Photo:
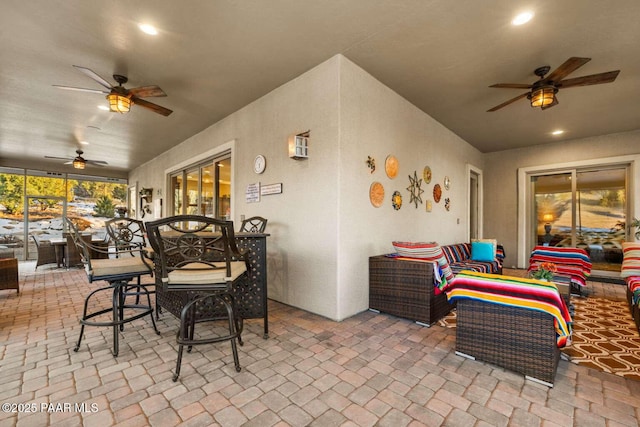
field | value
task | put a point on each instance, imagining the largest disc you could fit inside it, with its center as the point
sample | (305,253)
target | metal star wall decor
(414,189)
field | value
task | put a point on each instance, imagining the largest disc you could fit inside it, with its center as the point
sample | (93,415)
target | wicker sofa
(459,258)
(406,285)
(405,288)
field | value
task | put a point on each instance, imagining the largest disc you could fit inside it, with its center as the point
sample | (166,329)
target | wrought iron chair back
(126,233)
(255,224)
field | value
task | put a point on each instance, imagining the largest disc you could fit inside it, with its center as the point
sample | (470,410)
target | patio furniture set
(519,324)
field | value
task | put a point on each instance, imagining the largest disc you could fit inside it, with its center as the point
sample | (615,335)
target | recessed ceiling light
(148,29)
(103,107)
(522,18)
(557,132)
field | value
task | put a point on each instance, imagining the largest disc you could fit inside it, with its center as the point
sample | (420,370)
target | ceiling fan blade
(569,66)
(593,79)
(58,158)
(95,76)
(81,89)
(147,91)
(511,86)
(504,104)
(151,106)
(555,102)
(97,162)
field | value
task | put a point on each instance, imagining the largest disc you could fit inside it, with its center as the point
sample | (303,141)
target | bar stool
(197,260)
(118,272)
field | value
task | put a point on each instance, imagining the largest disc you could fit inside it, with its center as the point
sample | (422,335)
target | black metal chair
(126,234)
(255,224)
(198,262)
(118,272)
(128,237)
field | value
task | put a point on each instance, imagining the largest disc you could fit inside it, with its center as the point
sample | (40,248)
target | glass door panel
(585,209)
(223,188)
(553,214)
(44,220)
(601,215)
(177,188)
(192,192)
(207,203)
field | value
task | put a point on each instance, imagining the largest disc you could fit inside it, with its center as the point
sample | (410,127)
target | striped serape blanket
(633,283)
(573,263)
(514,292)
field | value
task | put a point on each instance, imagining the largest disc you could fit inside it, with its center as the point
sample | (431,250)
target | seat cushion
(118,267)
(198,273)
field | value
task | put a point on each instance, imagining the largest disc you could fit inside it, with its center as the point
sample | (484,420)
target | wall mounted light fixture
(299,146)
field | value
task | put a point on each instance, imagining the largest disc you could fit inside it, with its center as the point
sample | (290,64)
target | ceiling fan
(79,162)
(120,98)
(542,93)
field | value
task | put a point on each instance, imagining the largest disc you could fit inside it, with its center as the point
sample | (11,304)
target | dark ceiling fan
(120,98)
(542,93)
(79,162)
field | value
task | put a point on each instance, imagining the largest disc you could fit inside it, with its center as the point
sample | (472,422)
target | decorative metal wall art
(414,189)
(371,163)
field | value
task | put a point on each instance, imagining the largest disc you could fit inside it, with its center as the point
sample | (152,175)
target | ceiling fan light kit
(543,96)
(119,103)
(79,163)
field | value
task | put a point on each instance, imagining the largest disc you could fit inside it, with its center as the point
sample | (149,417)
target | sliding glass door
(584,208)
(203,189)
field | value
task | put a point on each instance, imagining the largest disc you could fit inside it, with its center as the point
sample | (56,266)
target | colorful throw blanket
(514,292)
(439,279)
(633,283)
(573,263)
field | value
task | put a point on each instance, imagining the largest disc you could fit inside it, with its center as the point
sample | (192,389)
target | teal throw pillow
(482,251)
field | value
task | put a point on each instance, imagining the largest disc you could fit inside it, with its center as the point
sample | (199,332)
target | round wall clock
(259,164)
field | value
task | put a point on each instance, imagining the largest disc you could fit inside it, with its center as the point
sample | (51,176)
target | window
(203,188)
(35,203)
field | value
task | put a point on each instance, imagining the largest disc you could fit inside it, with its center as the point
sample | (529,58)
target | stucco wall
(377,122)
(501,186)
(323,227)
(302,220)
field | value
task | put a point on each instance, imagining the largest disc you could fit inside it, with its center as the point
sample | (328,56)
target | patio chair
(571,263)
(255,224)
(46,252)
(117,272)
(201,267)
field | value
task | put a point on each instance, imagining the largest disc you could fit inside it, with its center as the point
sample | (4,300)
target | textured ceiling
(214,57)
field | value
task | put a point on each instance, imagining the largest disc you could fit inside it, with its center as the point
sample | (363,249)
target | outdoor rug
(605,336)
